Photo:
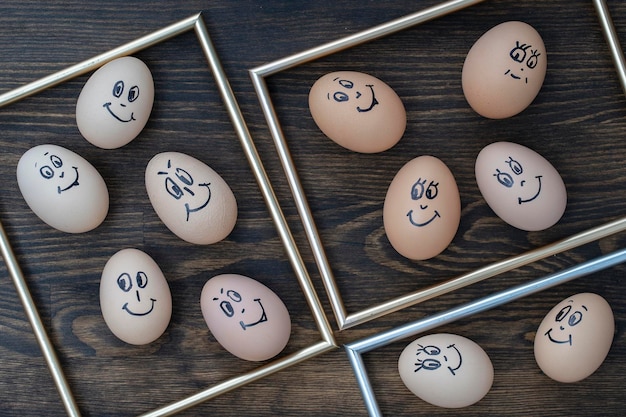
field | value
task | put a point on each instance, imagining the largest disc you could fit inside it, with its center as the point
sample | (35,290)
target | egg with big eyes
(520,186)
(190,198)
(62,188)
(446,370)
(504,70)
(115,103)
(357,111)
(422,208)
(135,297)
(247,318)
(575,337)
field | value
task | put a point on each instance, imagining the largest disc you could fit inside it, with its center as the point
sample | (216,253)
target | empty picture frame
(326,342)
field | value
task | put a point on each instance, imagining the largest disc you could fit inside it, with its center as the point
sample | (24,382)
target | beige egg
(135,298)
(504,70)
(245,317)
(115,103)
(446,370)
(190,198)
(357,111)
(62,188)
(422,208)
(575,337)
(520,186)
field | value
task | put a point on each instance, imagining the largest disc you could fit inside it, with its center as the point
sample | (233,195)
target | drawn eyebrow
(585,308)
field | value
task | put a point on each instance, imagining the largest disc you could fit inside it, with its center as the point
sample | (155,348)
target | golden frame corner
(356,349)
(326,342)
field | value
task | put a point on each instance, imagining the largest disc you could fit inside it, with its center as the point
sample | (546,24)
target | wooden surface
(577,122)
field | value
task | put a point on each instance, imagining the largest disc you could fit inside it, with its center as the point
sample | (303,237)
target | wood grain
(577,122)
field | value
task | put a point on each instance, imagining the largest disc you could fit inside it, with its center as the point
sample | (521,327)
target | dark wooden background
(577,122)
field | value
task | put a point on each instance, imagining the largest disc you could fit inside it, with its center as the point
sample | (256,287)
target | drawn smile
(193,210)
(372,104)
(132,313)
(262,319)
(519,199)
(414,223)
(515,77)
(460,359)
(74,183)
(568,341)
(108,107)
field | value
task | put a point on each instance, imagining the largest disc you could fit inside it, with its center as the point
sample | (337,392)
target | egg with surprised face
(135,298)
(357,111)
(520,186)
(446,370)
(190,198)
(575,337)
(115,103)
(504,70)
(62,188)
(422,208)
(245,317)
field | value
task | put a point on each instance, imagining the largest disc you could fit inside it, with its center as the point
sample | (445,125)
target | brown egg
(357,111)
(422,208)
(504,70)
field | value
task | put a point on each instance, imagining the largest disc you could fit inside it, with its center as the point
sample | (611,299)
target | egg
(446,370)
(357,111)
(115,103)
(245,317)
(520,186)
(190,198)
(504,70)
(135,297)
(62,188)
(422,208)
(575,337)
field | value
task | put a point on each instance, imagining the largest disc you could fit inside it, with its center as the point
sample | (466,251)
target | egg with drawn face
(357,111)
(247,318)
(190,198)
(115,103)
(135,298)
(62,188)
(446,370)
(520,186)
(575,337)
(422,208)
(504,70)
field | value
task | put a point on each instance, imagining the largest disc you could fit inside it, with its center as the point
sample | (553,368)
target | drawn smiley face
(527,186)
(119,104)
(525,58)
(140,304)
(248,314)
(362,97)
(565,320)
(179,184)
(62,176)
(423,194)
(431,358)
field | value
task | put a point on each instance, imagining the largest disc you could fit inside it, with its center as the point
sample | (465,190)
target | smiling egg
(575,337)
(357,111)
(62,188)
(446,370)
(520,186)
(135,298)
(422,208)
(115,103)
(190,198)
(245,317)
(504,70)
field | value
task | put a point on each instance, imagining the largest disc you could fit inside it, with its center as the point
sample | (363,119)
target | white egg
(62,188)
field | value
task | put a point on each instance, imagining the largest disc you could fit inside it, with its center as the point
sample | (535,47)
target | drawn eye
(418,189)
(184,176)
(518,54)
(142,279)
(46,172)
(118,88)
(504,178)
(133,93)
(430,350)
(533,60)
(340,96)
(124,282)
(346,83)
(233,295)
(173,189)
(575,318)
(431,364)
(227,308)
(515,166)
(56,161)
(563,313)
(432,190)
